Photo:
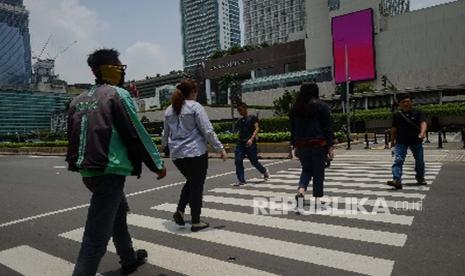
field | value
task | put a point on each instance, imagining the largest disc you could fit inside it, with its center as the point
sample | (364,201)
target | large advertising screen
(354,32)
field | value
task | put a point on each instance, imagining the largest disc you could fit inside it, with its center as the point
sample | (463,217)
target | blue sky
(146,32)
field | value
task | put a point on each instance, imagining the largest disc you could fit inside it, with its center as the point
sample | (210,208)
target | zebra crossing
(348,178)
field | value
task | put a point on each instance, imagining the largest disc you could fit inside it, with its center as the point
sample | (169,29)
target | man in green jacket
(107,142)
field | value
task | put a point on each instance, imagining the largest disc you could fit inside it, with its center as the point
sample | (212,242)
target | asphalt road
(43,208)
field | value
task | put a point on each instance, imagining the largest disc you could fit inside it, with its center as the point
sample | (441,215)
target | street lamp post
(347,96)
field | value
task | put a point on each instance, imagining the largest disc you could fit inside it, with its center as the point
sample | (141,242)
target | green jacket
(106,136)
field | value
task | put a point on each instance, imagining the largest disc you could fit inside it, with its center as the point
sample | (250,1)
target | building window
(333,5)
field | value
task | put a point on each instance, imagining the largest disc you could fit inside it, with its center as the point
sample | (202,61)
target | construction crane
(64,49)
(43,48)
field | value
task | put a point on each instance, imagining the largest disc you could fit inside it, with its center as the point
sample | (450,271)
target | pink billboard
(354,31)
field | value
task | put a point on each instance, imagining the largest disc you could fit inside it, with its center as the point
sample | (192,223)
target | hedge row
(281,124)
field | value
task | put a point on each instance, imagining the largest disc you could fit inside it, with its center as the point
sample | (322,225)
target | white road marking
(323,229)
(32,262)
(380,217)
(9,223)
(179,261)
(344,191)
(311,254)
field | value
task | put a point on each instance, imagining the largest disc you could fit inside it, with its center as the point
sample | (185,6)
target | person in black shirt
(312,139)
(408,131)
(247,126)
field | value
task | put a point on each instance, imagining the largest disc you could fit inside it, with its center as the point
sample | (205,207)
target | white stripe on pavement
(32,262)
(362,179)
(311,254)
(330,230)
(345,184)
(180,261)
(397,205)
(9,223)
(337,190)
(380,217)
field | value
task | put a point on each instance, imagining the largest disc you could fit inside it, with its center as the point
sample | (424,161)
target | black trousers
(194,170)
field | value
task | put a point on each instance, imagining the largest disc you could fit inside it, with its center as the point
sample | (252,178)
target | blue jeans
(239,154)
(400,152)
(313,161)
(106,218)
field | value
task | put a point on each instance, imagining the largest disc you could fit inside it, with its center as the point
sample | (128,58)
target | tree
(230,83)
(217,54)
(282,105)
(236,49)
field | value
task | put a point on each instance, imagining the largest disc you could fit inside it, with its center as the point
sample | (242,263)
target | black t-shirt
(407,133)
(246,127)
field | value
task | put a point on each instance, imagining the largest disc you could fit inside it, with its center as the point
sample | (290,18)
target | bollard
(427,138)
(375,140)
(367,142)
(348,142)
(440,140)
(386,142)
(444,139)
(463,137)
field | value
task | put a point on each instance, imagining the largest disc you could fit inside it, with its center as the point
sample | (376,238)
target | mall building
(385,45)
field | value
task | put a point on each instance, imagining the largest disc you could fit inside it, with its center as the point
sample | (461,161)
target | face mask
(113,74)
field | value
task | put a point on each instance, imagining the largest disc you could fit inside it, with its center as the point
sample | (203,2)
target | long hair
(307,103)
(183,91)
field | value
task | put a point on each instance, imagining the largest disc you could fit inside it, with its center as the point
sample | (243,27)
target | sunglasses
(121,67)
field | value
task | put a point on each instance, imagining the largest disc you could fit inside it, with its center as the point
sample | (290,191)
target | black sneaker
(395,183)
(239,184)
(199,226)
(177,216)
(141,258)
(421,181)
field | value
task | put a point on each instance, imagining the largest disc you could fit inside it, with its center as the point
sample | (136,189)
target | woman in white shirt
(187,130)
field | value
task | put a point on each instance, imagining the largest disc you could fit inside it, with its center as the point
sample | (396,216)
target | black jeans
(106,218)
(194,170)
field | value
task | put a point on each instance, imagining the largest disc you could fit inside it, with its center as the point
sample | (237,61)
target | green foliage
(282,105)
(218,53)
(275,124)
(236,49)
(363,88)
(262,137)
(39,144)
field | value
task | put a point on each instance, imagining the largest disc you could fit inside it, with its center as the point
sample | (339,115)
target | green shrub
(39,144)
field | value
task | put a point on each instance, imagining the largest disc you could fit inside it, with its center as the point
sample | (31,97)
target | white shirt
(187,134)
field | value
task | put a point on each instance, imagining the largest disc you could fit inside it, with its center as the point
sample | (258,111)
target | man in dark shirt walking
(408,131)
(248,129)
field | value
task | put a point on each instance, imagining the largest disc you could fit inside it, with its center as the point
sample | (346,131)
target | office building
(15,46)
(273,21)
(208,25)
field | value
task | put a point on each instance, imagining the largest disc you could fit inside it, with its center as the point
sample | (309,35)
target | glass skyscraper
(27,111)
(273,21)
(208,25)
(15,46)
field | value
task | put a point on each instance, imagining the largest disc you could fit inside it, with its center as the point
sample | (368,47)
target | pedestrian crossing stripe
(324,229)
(343,191)
(270,194)
(284,174)
(344,184)
(310,254)
(178,260)
(358,179)
(382,218)
(29,261)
